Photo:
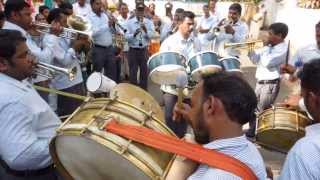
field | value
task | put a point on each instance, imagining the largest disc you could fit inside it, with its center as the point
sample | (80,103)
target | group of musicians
(220,104)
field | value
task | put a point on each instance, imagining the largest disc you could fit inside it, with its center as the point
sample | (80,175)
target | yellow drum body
(82,150)
(279,128)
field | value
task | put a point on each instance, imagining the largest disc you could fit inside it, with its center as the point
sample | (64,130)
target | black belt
(100,46)
(139,49)
(26,173)
(274,81)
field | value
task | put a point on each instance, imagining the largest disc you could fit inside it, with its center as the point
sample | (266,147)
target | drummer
(27,122)
(185,43)
(303,160)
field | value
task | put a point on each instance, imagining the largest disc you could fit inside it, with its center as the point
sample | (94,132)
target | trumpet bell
(78,23)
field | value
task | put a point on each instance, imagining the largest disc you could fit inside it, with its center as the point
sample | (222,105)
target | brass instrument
(250,45)
(49,71)
(110,16)
(219,29)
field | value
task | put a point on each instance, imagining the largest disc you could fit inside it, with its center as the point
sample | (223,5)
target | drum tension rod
(124,148)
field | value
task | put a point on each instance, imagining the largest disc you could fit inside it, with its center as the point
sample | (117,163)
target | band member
(221,104)
(206,23)
(184,42)
(172,27)
(212,8)
(168,14)
(231,30)
(19,18)
(102,53)
(67,8)
(81,8)
(122,20)
(268,61)
(65,57)
(27,122)
(44,10)
(139,32)
(303,159)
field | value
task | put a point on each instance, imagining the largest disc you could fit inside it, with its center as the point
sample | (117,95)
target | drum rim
(100,76)
(180,68)
(202,52)
(156,54)
(229,57)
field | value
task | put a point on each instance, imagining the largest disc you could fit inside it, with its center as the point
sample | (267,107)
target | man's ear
(211,104)
(3,64)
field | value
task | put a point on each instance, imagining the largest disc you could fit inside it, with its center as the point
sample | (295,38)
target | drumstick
(181,82)
(288,53)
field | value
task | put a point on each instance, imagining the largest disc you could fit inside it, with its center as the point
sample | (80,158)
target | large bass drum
(280,127)
(82,150)
(164,67)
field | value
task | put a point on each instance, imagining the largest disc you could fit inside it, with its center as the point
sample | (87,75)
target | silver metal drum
(204,63)
(164,67)
(231,64)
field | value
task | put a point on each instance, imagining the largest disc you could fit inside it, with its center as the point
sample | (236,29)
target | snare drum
(231,64)
(165,66)
(204,63)
(82,150)
(279,128)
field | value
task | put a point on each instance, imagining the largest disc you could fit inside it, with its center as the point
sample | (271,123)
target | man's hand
(180,113)
(287,68)
(229,29)
(137,32)
(144,28)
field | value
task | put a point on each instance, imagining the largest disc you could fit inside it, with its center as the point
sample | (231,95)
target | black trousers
(138,60)
(103,58)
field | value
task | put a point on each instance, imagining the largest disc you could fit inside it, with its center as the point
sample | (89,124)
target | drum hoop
(100,80)
(230,57)
(203,67)
(201,52)
(301,113)
(162,52)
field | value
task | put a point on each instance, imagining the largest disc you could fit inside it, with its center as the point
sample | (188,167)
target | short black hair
(54,15)
(205,6)
(64,6)
(309,75)
(187,14)
(179,10)
(14,6)
(238,98)
(279,29)
(9,39)
(236,7)
(42,8)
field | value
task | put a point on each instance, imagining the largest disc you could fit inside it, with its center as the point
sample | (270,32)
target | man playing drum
(185,43)
(303,160)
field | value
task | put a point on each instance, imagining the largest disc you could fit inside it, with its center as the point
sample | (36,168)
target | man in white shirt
(205,24)
(185,43)
(102,53)
(303,160)
(27,122)
(122,20)
(220,105)
(81,8)
(268,61)
(232,30)
(139,32)
(212,8)
(172,27)
(19,18)
(65,57)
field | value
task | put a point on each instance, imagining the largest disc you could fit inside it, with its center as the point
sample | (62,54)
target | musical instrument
(164,67)
(83,150)
(49,71)
(217,30)
(250,45)
(203,63)
(98,83)
(132,94)
(231,64)
(280,127)
(110,16)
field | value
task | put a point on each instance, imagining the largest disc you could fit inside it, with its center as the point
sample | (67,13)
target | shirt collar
(24,85)
(12,26)
(225,143)
(313,130)
(181,39)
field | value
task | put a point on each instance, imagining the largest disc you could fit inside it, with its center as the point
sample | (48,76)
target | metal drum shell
(82,149)
(231,64)
(279,128)
(204,62)
(163,66)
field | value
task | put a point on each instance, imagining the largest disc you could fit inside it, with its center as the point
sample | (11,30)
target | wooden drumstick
(181,82)
(288,53)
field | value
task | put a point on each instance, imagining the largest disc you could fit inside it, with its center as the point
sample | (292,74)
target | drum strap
(177,146)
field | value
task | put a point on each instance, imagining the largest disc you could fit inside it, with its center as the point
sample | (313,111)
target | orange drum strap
(174,145)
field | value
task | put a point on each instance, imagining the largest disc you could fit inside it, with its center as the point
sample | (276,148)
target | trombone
(250,45)
(49,71)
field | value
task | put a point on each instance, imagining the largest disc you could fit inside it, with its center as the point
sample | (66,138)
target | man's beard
(201,133)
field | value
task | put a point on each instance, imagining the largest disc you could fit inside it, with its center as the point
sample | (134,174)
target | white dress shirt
(144,38)
(304,55)
(303,160)
(27,125)
(239,148)
(42,54)
(82,11)
(165,30)
(241,32)
(206,23)
(64,57)
(101,32)
(123,22)
(268,60)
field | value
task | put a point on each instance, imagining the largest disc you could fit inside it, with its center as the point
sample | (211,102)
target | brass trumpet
(250,45)
(49,71)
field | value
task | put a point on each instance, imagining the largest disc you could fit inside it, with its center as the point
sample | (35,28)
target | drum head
(137,97)
(94,82)
(85,159)
(231,64)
